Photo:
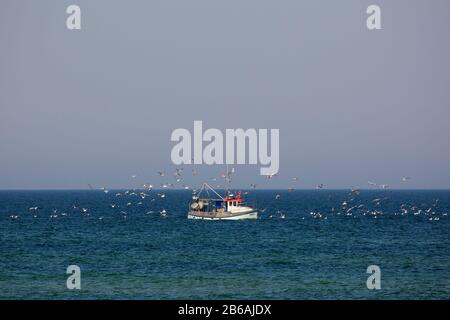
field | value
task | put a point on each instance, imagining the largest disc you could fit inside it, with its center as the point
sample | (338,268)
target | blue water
(132,252)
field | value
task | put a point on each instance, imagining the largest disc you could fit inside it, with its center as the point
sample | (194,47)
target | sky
(97,105)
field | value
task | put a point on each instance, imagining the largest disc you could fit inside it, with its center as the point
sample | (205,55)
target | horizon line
(246,189)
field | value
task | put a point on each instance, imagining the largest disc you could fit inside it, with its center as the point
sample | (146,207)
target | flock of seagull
(352,208)
(137,196)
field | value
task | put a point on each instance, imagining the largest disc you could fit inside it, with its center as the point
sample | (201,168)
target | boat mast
(227,178)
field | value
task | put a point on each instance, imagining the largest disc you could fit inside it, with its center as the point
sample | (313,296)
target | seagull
(350,209)
(161,173)
(33,208)
(277,196)
(295,179)
(320,186)
(404,179)
(253,186)
(373,184)
(104,189)
(163,213)
(84,209)
(133,176)
(316,215)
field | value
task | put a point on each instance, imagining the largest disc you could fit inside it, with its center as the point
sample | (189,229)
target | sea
(305,244)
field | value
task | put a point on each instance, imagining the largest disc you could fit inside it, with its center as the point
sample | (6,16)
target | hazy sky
(99,104)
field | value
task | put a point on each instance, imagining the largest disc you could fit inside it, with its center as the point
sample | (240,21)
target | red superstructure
(231,197)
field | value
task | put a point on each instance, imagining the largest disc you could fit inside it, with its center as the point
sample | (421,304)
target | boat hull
(249,215)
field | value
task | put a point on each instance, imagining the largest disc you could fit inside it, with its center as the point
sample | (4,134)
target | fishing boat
(232,207)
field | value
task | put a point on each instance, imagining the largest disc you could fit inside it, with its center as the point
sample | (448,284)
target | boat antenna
(227,178)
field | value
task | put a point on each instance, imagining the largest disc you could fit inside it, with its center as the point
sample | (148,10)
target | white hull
(243,216)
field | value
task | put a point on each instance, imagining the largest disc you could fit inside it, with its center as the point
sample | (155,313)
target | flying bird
(354,191)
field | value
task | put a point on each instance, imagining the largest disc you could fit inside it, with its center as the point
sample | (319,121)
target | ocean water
(320,250)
